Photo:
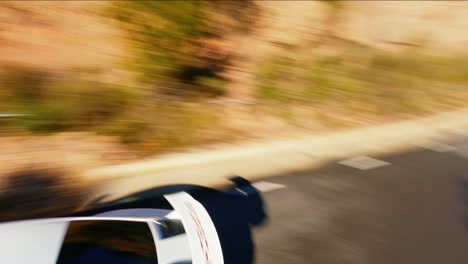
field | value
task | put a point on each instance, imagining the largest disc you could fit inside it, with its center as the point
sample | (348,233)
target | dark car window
(170,228)
(107,241)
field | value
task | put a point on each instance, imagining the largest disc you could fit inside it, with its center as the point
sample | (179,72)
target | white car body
(41,241)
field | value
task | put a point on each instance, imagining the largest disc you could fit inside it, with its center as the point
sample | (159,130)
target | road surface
(409,208)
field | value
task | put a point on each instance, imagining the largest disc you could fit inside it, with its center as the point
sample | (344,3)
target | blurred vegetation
(149,121)
(180,51)
(387,84)
(178,45)
(178,56)
(52,103)
(163,125)
(161,34)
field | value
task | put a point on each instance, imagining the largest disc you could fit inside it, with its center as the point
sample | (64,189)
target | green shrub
(89,104)
(22,84)
(212,86)
(43,119)
(164,125)
(388,84)
(274,79)
(73,105)
(159,34)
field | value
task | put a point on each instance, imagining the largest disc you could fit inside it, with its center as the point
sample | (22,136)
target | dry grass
(320,93)
(58,35)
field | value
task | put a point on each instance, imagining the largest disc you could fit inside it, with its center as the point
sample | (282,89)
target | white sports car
(189,232)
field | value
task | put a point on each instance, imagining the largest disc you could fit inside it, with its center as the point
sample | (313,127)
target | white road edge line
(264,186)
(364,163)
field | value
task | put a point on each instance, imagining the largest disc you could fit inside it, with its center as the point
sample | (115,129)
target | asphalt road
(413,210)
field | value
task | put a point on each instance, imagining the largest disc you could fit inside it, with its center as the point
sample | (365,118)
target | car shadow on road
(38,193)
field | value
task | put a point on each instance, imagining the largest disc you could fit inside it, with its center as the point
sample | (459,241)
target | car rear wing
(204,242)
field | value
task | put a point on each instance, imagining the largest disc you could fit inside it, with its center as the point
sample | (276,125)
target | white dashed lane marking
(462,149)
(264,186)
(460,131)
(364,163)
(439,147)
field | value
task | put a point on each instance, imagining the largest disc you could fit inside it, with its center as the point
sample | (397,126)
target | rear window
(105,241)
(170,228)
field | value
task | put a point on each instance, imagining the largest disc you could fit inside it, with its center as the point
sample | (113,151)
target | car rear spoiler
(201,232)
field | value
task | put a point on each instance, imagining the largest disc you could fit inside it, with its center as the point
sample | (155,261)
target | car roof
(78,218)
(44,237)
